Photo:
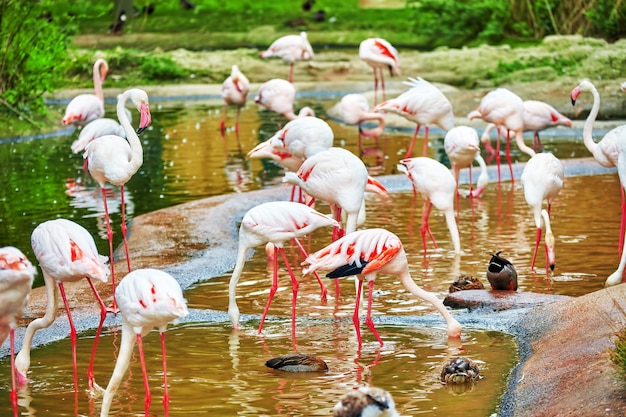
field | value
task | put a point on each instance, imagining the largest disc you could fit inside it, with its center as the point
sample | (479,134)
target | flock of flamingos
(148,298)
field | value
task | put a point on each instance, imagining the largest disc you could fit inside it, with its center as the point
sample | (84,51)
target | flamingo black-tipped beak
(573,101)
(145,117)
(552,267)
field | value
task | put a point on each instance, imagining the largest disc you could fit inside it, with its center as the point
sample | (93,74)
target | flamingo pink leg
(103,313)
(410,151)
(124,229)
(237,119)
(319,280)
(498,155)
(13,395)
(508,154)
(148,398)
(471,183)
(382,83)
(273,289)
(368,320)
(166,394)
(113,307)
(355,316)
(72,335)
(425,228)
(294,291)
(375,87)
(291,73)
(425,152)
(223,122)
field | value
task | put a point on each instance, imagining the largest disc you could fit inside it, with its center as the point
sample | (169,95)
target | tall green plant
(32,54)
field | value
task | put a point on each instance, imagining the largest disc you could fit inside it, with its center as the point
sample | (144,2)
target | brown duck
(501,273)
(297,362)
(459,371)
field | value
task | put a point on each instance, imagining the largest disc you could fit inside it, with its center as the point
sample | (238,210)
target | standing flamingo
(148,298)
(290,48)
(275,222)
(366,402)
(340,178)
(16,280)
(538,116)
(617,276)
(423,104)
(234,92)
(607,151)
(84,108)
(66,253)
(504,108)
(462,147)
(354,110)
(542,179)
(278,95)
(379,54)
(115,160)
(434,181)
(368,253)
(94,129)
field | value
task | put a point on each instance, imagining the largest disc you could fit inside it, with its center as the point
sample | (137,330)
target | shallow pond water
(212,369)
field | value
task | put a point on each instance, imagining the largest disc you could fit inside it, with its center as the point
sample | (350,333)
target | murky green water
(211,369)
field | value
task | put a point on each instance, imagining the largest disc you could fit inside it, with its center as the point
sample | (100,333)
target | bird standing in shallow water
(16,279)
(366,402)
(115,160)
(147,298)
(354,110)
(84,108)
(66,253)
(379,54)
(234,92)
(278,95)
(462,147)
(366,254)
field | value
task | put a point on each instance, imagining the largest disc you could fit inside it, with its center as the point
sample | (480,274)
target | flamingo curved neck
(131,136)
(97,82)
(588,127)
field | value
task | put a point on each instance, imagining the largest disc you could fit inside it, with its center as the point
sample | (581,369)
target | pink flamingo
(16,279)
(84,108)
(462,147)
(148,298)
(95,129)
(368,253)
(505,109)
(115,160)
(354,110)
(66,253)
(340,178)
(538,116)
(278,95)
(607,151)
(366,401)
(423,104)
(234,92)
(379,54)
(274,222)
(542,179)
(436,184)
(290,48)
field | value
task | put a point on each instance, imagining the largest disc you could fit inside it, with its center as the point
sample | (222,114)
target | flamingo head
(550,257)
(140,100)
(585,85)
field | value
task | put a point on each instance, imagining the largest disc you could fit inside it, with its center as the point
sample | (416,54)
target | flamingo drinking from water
(354,110)
(366,254)
(278,95)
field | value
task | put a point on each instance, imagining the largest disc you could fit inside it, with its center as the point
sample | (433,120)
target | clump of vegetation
(33,55)
(618,354)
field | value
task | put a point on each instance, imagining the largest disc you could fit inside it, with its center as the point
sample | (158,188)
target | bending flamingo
(542,179)
(340,178)
(462,147)
(423,104)
(234,92)
(368,253)
(366,402)
(538,116)
(607,151)
(436,184)
(84,108)
(115,160)
(505,109)
(148,298)
(354,110)
(275,222)
(16,279)
(278,95)
(379,54)
(290,48)
(66,253)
